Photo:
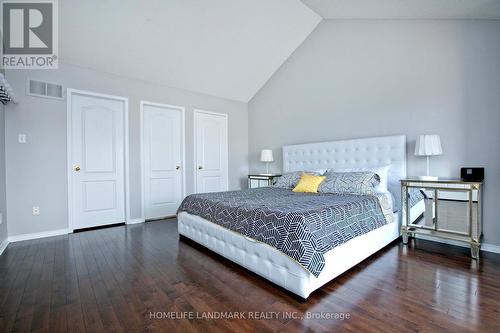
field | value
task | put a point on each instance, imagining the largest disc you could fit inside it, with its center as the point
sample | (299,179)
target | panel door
(162,161)
(211,152)
(98,162)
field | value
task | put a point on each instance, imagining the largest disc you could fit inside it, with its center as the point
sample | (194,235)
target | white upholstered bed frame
(275,266)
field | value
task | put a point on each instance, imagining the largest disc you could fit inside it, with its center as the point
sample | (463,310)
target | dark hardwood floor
(132,278)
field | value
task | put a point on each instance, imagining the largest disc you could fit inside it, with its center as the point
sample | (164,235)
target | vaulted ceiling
(406,9)
(226,48)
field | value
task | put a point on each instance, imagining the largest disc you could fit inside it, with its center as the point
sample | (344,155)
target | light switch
(22,138)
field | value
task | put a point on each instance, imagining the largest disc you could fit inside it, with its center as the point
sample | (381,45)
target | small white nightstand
(443,208)
(262,180)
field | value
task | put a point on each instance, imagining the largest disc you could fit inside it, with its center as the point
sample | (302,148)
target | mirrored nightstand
(443,208)
(262,180)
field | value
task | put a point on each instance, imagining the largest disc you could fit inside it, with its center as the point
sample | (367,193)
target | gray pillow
(291,179)
(288,180)
(359,182)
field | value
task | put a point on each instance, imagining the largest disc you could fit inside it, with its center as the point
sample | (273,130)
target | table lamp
(266,155)
(428,145)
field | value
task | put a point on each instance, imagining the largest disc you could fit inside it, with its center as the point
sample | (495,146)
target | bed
(282,267)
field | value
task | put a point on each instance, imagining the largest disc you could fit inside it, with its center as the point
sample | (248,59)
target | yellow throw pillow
(308,183)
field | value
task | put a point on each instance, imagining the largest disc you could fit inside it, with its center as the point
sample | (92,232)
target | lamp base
(429,178)
(267,167)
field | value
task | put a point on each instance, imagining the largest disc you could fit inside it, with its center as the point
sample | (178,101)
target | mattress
(303,226)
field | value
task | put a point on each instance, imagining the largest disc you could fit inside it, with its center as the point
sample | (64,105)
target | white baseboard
(3,245)
(135,221)
(23,237)
(490,248)
(484,246)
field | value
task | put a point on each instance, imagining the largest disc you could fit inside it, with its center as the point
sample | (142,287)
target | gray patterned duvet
(415,195)
(303,226)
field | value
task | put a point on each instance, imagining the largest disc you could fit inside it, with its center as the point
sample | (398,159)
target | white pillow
(381,171)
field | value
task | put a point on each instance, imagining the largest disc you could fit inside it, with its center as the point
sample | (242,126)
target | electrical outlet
(22,138)
(36,211)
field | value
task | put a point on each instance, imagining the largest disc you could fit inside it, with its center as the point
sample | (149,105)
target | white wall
(362,78)
(3,204)
(36,171)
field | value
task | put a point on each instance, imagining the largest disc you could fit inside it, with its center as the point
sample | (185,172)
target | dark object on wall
(472,174)
(6,92)
(4,96)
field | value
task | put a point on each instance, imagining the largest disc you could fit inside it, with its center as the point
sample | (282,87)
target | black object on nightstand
(262,180)
(472,174)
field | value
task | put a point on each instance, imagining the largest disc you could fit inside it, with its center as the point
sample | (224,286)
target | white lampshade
(428,145)
(266,155)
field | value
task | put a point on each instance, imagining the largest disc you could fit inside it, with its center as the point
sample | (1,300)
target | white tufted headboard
(367,152)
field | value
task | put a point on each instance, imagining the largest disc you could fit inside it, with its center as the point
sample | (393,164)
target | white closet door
(163,148)
(97,153)
(211,152)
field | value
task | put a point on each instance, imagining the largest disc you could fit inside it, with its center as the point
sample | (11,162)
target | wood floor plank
(16,304)
(131,278)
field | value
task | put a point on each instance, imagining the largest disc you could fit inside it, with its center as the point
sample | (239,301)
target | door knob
(77,168)
(200,167)
(178,167)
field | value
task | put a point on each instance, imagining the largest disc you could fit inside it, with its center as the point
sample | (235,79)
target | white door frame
(183,149)
(195,130)
(69,94)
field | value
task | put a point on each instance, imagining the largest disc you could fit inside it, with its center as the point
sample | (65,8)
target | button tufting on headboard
(367,152)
